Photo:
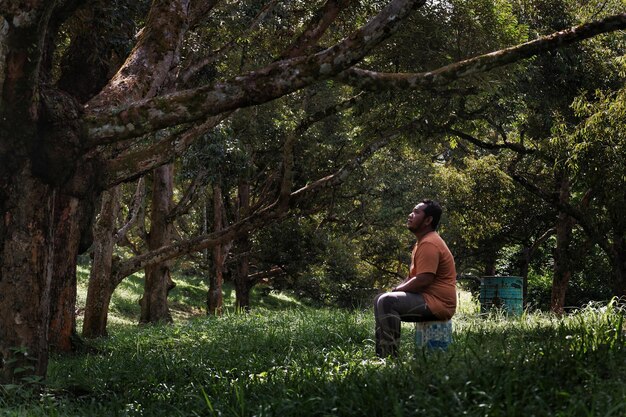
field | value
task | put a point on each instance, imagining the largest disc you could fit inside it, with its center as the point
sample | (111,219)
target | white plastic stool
(433,335)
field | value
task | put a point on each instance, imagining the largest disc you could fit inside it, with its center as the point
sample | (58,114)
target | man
(428,293)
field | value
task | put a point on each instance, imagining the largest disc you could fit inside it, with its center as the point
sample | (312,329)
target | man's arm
(416,283)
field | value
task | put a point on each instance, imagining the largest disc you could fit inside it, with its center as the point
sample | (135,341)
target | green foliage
(321,362)
(597,150)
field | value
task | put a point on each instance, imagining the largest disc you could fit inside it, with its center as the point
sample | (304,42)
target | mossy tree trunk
(101,285)
(158,281)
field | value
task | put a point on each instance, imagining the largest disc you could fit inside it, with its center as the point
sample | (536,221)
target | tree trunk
(619,267)
(243,287)
(524,267)
(562,259)
(526,255)
(27,272)
(158,281)
(39,241)
(490,267)
(42,214)
(101,286)
(214,296)
(243,245)
(67,221)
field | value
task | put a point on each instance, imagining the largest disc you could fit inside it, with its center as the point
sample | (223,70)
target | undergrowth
(321,362)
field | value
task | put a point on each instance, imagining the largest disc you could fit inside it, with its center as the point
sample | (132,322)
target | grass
(301,361)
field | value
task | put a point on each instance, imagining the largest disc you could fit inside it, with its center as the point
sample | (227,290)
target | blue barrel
(505,293)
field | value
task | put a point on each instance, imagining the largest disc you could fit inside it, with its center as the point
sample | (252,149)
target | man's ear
(429,220)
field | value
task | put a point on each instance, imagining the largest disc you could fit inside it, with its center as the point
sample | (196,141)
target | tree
(58,155)
(519,118)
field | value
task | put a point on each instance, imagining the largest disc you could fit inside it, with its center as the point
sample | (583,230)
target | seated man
(428,293)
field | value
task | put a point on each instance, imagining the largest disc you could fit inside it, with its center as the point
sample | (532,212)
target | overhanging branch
(103,125)
(135,163)
(372,80)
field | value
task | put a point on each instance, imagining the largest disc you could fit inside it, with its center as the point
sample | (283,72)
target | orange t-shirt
(431,254)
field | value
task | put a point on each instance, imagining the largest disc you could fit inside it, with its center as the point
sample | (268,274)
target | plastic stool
(433,335)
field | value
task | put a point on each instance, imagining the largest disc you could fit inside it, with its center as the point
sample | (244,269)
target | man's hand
(417,283)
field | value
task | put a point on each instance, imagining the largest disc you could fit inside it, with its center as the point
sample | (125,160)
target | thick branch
(135,163)
(273,81)
(445,75)
(147,68)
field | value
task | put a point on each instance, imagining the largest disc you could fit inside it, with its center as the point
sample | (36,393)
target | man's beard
(416,227)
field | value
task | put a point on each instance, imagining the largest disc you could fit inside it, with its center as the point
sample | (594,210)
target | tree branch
(187,73)
(135,163)
(594,233)
(257,87)
(133,215)
(372,80)
(516,147)
(316,28)
(539,241)
(189,197)
(199,9)
(258,219)
(148,66)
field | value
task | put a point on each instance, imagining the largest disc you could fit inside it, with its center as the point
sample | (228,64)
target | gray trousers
(392,308)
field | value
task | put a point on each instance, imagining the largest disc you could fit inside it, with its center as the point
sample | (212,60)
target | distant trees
(527,121)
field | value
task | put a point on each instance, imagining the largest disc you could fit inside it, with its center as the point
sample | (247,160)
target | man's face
(417,218)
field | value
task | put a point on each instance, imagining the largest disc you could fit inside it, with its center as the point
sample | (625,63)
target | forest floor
(288,359)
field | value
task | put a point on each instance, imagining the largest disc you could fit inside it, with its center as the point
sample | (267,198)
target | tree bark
(42,213)
(214,296)
(562,259)
(26,280)
(619,267)
(243,246)
(67,219)
(101,286)
(158,281)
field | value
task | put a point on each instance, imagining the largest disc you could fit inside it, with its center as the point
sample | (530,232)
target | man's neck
(419,235)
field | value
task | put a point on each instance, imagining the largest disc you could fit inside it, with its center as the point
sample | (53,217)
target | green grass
(302,361)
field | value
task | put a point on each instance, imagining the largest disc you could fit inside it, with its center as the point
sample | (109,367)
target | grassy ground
(286,359)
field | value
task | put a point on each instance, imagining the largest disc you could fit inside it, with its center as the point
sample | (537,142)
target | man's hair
(434,210)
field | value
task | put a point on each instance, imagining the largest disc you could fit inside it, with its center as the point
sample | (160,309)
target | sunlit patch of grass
(82,279)
(467,303)
(125,299)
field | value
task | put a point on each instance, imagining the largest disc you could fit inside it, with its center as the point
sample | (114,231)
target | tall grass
(320,362)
